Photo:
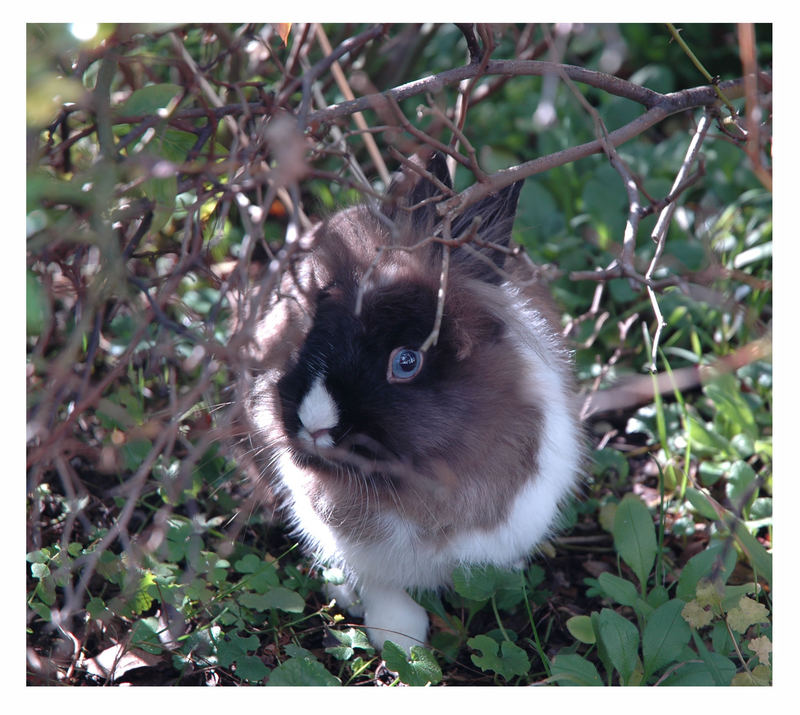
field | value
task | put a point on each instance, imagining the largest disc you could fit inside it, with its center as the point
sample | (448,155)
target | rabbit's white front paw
(391,614)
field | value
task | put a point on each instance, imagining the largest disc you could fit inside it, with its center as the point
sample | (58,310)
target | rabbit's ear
(410,188)
(496,213)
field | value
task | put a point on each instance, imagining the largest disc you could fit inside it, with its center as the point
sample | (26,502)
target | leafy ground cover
(153,559)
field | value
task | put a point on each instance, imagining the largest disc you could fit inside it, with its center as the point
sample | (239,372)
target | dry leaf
(114,662)
(282,28)
(746,614)
(696,615)
(762,647)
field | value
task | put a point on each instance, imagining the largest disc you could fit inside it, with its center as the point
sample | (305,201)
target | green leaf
(657,597)
(420,668)
(740,484)
(619,589)
(698,500)
(96,608)
(760,559)
(162,192)
(722,669)
(150,99)
(249,563)
(350,639)
(717,557)
(726,394)
(699,674)
(506,658)
(250,668)
(635,536)
(581,629)
(261,575)
(475,583)
(233,646)
(142,599)
(604,198)
(37,309)
(302,671)
(704,440)
(135,452)
(664,636)
(279,597)
(571,669)
(610,460)
(144,635)
(620,638)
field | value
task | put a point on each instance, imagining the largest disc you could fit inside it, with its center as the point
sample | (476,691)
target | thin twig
(676,35)
(659,234)
(747,50)
(358,117)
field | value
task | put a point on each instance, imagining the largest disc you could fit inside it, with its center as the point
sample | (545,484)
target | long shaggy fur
(400,480)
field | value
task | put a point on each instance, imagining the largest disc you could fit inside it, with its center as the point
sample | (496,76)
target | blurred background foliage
(155,201)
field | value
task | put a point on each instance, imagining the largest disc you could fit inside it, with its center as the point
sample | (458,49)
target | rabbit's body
(399,464)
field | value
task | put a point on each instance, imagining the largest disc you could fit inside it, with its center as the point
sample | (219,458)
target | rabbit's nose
(322,437)
(318,415)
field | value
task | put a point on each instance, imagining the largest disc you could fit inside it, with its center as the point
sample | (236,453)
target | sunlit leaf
(420,668)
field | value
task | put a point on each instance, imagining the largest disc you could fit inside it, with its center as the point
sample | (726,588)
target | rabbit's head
(371,423)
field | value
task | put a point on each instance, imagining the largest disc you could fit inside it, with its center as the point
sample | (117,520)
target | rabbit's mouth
(356,450)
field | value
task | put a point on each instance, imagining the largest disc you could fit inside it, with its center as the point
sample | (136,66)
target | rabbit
(397,463)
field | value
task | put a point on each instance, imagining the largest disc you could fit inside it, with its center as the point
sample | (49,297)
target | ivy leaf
(746,614)
(420,668)
(506,658)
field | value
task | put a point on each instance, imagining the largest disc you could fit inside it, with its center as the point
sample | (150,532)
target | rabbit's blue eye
(404,364)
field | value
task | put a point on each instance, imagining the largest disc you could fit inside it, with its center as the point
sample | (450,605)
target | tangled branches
(169,184)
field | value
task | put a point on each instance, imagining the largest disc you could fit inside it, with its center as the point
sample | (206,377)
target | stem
(102,103)
(534,630)
(499,622)
(676,35)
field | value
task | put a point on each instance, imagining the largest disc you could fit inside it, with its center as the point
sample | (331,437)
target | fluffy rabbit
(396,463)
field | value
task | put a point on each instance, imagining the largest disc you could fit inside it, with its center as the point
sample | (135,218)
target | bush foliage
(166,167)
